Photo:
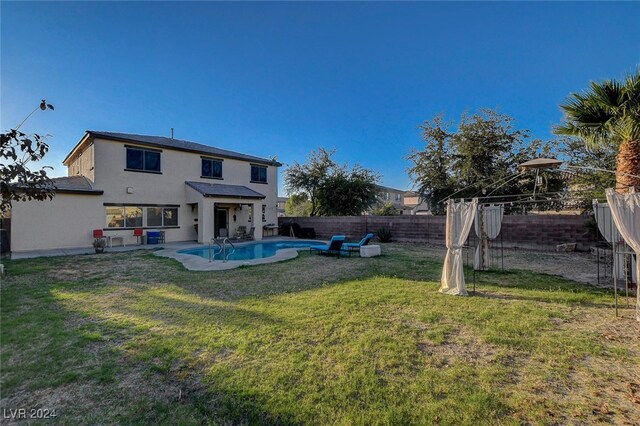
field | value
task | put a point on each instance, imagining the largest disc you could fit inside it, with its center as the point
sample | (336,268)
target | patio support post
(205,221)
(256,215)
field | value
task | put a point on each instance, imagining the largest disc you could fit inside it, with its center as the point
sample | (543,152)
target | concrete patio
(173,246)
(90,250)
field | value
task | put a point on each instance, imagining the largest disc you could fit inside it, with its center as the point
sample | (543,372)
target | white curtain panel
(460,217)
(605,223)
(608,230)
(487,224)
(625,210)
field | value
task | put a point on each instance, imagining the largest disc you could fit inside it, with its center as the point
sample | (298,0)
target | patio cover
(625,210)
(459,220)
(488,223)
(223,190)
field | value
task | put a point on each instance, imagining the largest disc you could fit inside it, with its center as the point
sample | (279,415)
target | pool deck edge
(197,263)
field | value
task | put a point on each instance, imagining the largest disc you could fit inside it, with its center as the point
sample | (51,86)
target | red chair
(99,233)
(137,232)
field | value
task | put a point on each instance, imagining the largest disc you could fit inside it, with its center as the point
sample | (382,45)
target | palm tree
(608,113)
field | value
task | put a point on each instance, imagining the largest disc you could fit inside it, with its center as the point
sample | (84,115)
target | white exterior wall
(66,221)
(69,219)
(170,188)
(83,164)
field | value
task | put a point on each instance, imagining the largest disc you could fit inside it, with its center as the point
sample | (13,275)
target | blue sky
(285,78)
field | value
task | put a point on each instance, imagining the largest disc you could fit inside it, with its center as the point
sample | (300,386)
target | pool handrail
(225,255)
(212,254)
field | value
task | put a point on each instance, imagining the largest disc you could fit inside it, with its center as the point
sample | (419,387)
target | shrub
(384,235)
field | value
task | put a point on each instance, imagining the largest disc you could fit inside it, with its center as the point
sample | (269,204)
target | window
(154,216)
(398,197)
(258,174)
(143,160)
(264,213)
(162,216)
(385,195)
(133,217)
(211,168)
(170,216)
(115,217)
(139,217)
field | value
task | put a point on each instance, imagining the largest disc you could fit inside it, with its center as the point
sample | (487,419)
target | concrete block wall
(523,231)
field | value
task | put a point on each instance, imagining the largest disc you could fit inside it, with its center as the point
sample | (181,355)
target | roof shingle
(74,184)
(182,145)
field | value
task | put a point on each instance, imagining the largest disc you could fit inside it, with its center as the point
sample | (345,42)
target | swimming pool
(258,250)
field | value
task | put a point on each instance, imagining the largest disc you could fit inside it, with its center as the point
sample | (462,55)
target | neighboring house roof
(223,190)
(387,188)
(177,144)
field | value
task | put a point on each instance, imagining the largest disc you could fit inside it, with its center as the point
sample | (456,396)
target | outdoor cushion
(363,242)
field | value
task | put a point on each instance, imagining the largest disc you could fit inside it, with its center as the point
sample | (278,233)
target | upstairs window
(211,168)
(398,197)
(143,160)
(258,174)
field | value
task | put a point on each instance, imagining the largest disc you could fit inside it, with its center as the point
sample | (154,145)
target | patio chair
(334,246)
(138,232)
(241,232)
(98,234)
(249,235)
(351,247)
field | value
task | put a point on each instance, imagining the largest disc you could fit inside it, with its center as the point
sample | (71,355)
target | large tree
(477,157)
(17,181)
(307,178)
(348,192)
(606,115)
(431,167)
(590,181)
(298,205)
(332,189)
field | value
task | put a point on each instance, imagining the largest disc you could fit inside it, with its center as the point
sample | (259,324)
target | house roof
(177,144)
(73,185)
(388,188)
(223,190)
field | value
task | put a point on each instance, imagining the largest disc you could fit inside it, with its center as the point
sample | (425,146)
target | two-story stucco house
(395,197)
(118,182)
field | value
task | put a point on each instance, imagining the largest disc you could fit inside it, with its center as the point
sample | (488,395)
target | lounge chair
(334,246)
(349,247)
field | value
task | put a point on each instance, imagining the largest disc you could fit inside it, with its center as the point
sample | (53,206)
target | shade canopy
(540,163)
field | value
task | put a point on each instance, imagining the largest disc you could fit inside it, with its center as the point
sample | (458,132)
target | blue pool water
(257,250)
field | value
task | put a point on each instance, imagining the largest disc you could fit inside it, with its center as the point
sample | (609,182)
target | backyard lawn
(134,338)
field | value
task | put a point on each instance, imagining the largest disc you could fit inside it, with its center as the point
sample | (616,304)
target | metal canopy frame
(550,197)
